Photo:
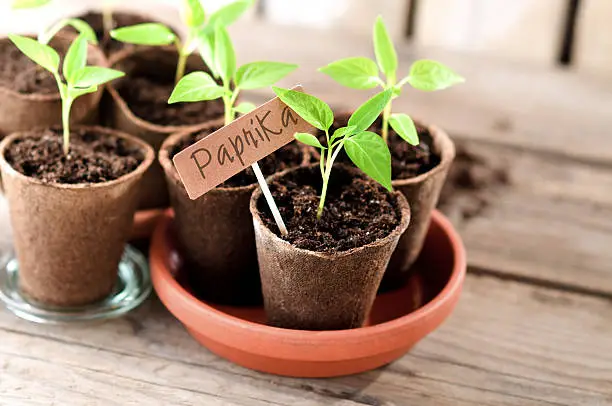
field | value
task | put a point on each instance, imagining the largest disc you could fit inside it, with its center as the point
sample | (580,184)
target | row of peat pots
(342,294)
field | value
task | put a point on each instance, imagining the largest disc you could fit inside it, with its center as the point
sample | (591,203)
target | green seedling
(366,149)
(199,86)
(76,78)
(46,35)
(363,73)
(200,32)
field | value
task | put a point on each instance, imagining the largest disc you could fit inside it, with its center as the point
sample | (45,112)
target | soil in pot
(325,273)
(419,173)
(69,209)
(138,105)
(29,96)
(215,232)
(149,87)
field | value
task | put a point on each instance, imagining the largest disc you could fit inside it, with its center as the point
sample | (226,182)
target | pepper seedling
(366,149)
(78,78)
(200,32)
(46,35)
(363,73)
(200,86)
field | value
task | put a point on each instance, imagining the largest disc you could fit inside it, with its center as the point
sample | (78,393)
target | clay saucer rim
(165,284)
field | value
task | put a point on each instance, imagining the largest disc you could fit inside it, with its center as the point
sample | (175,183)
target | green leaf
(225,57)
(154,34)
(370,153)
(342,131)
(314,111)
(43,55)
(245,107)
(21,4)
(83,29)
(75,59)
(229,13)
(95,76)
(430,75)
(369,111)
(262,74)
(193,13)
(196,86)
(405,128)
(206,48)
(75,93)
(356,73)
(384,49)
(308,139)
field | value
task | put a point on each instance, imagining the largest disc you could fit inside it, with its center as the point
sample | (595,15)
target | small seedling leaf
(21,4)
(256,75)
(384,49)
(153,34)
(194,87)
(193,13)
(43,55)
(343,131)
(313,110)
(308,139)
(95,76)
(229,13)
(405,128)
(430,75)
(245,107)
(74,93)
(370,153)
(369,111)
(83,29)
(225,57)
(206,48)
(75,59)
(356,73)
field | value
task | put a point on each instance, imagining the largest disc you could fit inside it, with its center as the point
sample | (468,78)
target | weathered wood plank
(553,222)
(511,104)
(507,343)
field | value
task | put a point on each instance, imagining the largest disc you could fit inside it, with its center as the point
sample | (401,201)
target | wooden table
(534,324)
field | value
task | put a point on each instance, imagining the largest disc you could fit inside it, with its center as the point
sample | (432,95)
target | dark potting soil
(96,21)
(407,161)
(20,74)
(357,210)
(289,156)
(147,94)
(94,157)
(472,182)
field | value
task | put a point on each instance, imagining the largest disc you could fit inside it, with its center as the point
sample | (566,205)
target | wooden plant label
(222,154)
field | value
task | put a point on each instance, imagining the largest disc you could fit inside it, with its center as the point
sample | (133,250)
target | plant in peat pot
(28,94)
(138,104)
(71,190)
(420,164)
(215,232)
(324,274)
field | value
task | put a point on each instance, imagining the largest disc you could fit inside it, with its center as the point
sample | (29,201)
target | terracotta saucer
(145,222)
(398,319)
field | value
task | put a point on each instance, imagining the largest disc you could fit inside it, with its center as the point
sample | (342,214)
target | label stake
(269,199)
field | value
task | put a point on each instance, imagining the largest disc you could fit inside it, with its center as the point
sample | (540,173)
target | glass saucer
(132,288)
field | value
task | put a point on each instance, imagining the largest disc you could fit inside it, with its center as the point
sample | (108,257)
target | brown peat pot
(69,238)
(215,233)
(311,290)
(422,193)
(398,319)
(24,110)
(151,65)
